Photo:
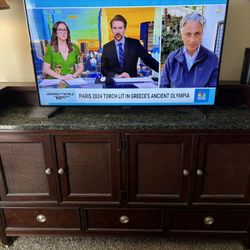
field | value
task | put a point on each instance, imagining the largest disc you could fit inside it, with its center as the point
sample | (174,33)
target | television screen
(110,52)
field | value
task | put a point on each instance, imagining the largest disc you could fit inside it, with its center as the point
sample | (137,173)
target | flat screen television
(110,52)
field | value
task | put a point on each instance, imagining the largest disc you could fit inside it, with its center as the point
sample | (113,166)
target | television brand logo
(201,95)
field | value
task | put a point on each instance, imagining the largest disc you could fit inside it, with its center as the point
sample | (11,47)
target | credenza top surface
(121,118)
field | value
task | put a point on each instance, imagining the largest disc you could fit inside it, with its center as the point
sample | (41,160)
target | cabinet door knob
(208,220)
(124,219)
(199,172)
(185,172)
(41,218)
(60,171)
(48,171)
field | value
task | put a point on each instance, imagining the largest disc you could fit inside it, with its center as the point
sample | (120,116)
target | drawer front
(42,218)
(209,220)
(108,219)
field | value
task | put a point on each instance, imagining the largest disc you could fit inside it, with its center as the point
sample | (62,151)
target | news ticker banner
(129,97)
(113,3)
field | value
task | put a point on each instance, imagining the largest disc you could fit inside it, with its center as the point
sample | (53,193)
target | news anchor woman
(62,58)
(120,56)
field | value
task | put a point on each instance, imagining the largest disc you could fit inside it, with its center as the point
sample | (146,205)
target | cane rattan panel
(88,167)
(27,162)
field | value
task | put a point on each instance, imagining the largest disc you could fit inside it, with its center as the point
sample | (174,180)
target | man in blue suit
(120,56)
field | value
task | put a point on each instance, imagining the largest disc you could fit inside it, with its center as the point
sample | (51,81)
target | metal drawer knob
(185,172)
(48,171)
(41,218)
(209,220)
(124,219)
(199,172)
(60,171)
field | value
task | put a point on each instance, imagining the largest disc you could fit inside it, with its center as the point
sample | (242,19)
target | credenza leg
(247,243)
(6,241)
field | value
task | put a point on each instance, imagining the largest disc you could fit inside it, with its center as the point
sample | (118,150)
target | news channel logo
(201,95)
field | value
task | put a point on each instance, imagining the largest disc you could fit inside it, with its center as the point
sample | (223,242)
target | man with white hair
(192,65)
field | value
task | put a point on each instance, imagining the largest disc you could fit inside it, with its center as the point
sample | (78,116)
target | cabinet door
(26,167)
(159,167)
(89,167)
(223,168)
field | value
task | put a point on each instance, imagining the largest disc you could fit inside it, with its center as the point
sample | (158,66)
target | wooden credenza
(83,182)
(178,182)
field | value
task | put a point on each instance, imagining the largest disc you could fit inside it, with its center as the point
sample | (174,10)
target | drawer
(108,219)
(42,218)
(208,220)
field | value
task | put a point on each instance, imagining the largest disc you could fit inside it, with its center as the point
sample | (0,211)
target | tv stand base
(38,112)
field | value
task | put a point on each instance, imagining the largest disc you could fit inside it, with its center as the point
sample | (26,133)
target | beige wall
(237,38)
(15,56)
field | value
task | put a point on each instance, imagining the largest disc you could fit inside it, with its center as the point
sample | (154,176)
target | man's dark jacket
(110,65)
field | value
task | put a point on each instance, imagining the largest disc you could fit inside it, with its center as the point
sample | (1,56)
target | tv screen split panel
(110,52)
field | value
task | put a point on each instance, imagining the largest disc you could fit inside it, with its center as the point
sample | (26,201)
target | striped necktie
(121,54)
